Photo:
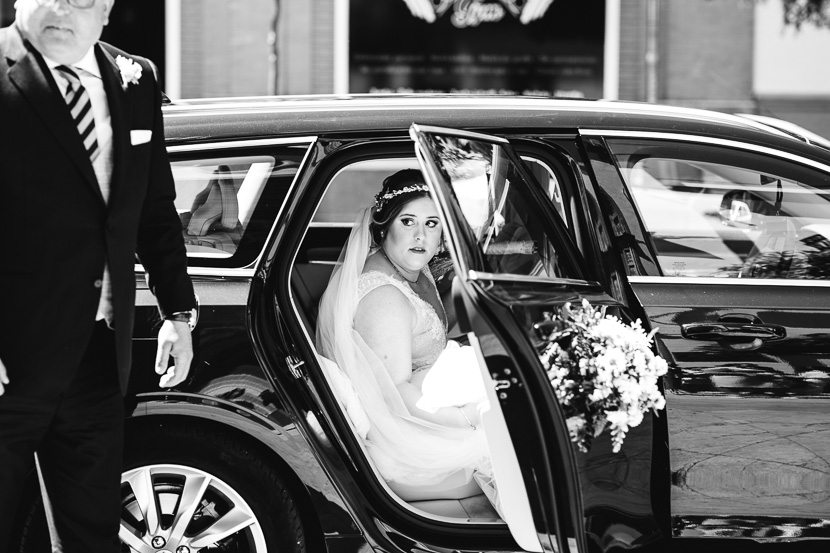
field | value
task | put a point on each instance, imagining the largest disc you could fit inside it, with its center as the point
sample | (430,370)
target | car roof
(790,128)
(330,115)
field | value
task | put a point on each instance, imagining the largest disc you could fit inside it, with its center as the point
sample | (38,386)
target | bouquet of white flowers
(603,372)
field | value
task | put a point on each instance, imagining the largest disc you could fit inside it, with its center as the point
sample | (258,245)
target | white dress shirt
(90,75)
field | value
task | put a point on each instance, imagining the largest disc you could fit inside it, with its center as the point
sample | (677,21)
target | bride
(382,322)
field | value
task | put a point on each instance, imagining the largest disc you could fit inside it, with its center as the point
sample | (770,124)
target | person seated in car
(382,322)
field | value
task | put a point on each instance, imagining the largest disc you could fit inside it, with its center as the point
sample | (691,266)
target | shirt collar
(88,63)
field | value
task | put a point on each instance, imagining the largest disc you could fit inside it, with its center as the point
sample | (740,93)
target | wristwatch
(190,317)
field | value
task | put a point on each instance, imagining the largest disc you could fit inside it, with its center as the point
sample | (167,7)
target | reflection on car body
(712,228)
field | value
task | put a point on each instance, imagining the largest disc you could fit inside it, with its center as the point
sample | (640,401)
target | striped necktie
(80,106)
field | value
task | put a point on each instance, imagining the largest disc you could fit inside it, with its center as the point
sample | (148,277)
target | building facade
(727,55)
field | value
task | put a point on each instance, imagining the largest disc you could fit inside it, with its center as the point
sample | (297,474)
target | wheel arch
(299,480)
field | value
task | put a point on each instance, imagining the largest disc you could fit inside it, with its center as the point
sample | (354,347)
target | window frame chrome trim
(460,133)
(679,137)
(714,281)
(288,194)
(331,225)
(222,272)
(178,148)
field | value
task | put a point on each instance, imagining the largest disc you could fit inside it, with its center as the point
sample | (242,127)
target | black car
(713,229)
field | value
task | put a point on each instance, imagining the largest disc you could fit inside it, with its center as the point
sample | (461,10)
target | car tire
(214,480)
(171,459)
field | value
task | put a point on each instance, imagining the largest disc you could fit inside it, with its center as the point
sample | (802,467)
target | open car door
(515,267)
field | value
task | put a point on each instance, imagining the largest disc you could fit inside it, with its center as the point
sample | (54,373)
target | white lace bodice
(429,335)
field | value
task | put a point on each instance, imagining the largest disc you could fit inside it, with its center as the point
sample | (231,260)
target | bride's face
(413,237)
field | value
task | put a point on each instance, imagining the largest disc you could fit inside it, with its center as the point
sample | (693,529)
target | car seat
(213,221)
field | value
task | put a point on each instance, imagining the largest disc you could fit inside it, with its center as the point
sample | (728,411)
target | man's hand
(174,339)
(4,378)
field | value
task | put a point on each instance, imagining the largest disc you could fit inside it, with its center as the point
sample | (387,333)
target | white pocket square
(140,136)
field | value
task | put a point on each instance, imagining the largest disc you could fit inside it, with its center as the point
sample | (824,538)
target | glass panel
(228,203)
(508,223)
(545,176)
(717,213)
(353,189)
(215,199)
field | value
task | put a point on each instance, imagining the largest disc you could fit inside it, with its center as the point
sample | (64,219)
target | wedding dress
(405,449)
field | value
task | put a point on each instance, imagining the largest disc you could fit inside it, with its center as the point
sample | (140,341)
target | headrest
(216,207)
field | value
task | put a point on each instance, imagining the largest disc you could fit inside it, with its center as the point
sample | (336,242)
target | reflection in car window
(712,213)
(545,176)
(508,224)
(228,203)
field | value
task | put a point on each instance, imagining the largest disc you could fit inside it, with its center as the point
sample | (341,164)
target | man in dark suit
(85,185)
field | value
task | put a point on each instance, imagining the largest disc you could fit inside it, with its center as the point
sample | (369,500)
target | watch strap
(183,317)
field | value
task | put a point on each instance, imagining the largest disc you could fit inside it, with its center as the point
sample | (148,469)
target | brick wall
(632,85)
(305,38)
(225,48)
(706,53)
(322,60)
(294,47)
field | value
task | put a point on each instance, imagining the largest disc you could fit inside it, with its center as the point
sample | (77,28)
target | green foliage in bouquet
(603,372)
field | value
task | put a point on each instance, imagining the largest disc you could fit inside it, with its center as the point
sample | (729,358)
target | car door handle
(732,331)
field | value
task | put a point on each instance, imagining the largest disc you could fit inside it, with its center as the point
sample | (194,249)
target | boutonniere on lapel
(130,71)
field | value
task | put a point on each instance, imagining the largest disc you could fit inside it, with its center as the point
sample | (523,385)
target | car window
(510,246)
(713,212)
(545,176)
(512,229)
(215,199)
(354,187)
(228,203)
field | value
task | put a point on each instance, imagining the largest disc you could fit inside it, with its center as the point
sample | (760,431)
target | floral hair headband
(382,199)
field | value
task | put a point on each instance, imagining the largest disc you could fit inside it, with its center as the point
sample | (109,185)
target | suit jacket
(57,231)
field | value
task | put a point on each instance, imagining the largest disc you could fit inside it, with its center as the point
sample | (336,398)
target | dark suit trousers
(78,433)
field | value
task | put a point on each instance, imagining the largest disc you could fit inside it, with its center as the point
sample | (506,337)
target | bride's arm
(385,320)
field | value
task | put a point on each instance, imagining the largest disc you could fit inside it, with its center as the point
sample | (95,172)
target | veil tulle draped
(405,449)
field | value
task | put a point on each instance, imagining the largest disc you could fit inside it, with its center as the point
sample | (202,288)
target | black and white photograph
(415,276)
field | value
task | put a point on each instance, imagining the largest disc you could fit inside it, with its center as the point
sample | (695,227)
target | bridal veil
(404,448)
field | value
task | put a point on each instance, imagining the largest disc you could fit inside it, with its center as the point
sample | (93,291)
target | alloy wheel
(168,508)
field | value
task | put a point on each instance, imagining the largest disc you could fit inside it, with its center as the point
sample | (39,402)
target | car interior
(456,499)
(349,191)
(213,219)
(215,199)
